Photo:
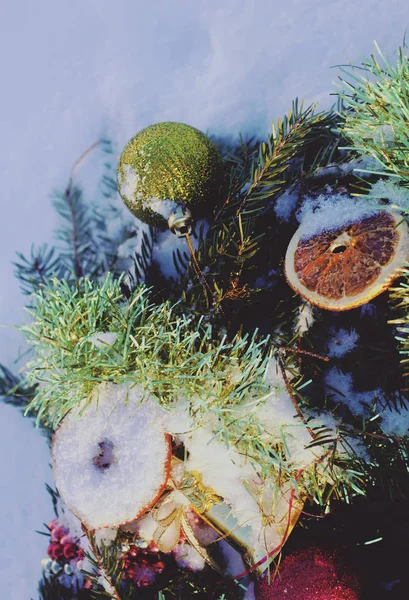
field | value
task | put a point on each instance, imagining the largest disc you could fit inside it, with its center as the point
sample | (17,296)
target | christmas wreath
(232,370)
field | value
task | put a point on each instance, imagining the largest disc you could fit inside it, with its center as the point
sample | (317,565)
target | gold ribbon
(171,513)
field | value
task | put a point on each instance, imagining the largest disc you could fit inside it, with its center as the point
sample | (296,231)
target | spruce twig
(377,113)
(103,568)
(293,399)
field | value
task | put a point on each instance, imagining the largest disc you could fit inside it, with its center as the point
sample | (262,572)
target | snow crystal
(120,222)
(222,468)
(178,420)
(304,318)
(341,342)
(66,518)
(392,422)
(167,243)
(234,563)
(117,416)
(277,415)
(341,384)
(186,556)
(105,582)
(383,134)
(103,339)
(144,527)
(285,205)
(127,249)
(395,422)
(397,196)
(364,162)
(161,206)
(225,471)
(128,182)
(331,211)
(107,535)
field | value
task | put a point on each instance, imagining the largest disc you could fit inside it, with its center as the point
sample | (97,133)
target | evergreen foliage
(256,176)
(229,309)
(377,116)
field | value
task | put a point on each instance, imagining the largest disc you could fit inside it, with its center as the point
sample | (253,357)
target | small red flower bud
(80,554)
(158,567)
(153,547)
(58,533)
(55,551)
(131,573)
(133,551)
(70,551)
(143,582)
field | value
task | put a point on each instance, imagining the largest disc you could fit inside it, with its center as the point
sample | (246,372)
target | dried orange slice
(347,267)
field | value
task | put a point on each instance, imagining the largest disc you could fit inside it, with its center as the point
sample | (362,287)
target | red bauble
(310,574)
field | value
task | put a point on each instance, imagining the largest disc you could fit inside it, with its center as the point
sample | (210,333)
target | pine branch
(85,245)
(35,271)
(13,389)
(106,562)
(377,116)
(257,178)
(399,301)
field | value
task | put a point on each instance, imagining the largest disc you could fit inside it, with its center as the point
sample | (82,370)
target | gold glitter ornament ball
(166,165)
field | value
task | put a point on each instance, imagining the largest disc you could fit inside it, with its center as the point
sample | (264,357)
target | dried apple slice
(112,460)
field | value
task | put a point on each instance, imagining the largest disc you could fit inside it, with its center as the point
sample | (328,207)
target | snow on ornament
(347,261)
(111,459)
(167,166)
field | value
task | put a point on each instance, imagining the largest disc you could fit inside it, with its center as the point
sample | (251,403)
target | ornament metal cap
(180,221)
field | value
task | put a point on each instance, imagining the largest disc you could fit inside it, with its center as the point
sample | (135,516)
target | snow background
(73,72)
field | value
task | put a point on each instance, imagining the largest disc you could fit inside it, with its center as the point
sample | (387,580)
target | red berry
(87,584)
(70,551)
(133,551)
(55,551)
(143,582)
(153,547)
(158,567)
(80,554)
(132,573)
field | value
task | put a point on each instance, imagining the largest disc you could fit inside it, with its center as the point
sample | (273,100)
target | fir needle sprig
(171,355)
(375,122)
